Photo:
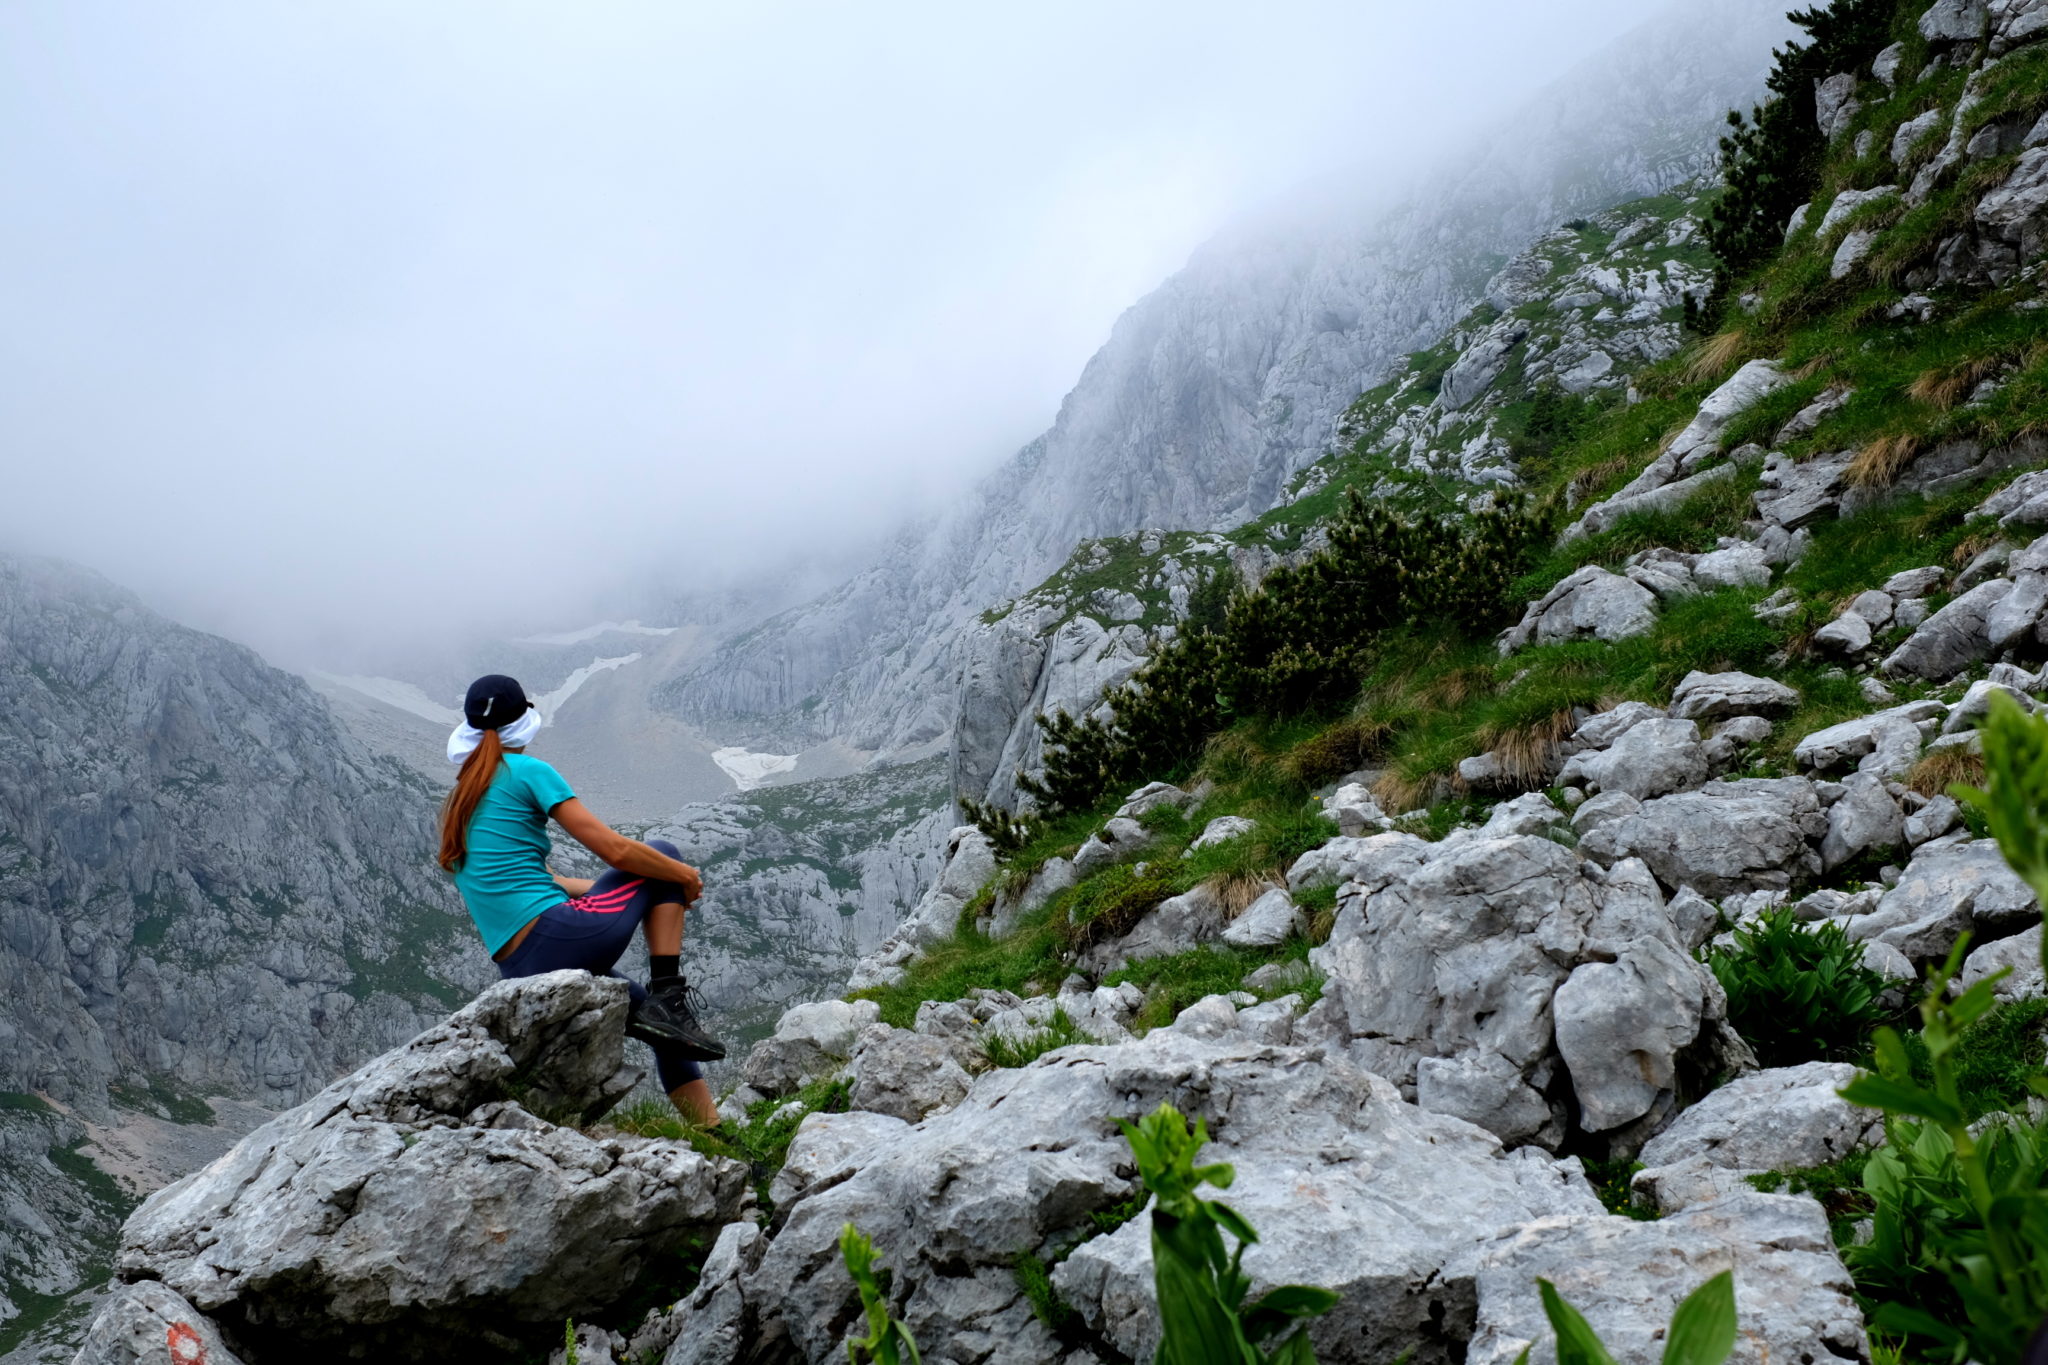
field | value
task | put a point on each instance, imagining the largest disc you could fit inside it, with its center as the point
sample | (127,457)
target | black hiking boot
(669,1015)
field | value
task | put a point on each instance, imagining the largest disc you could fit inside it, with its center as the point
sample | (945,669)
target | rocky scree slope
(1215,390)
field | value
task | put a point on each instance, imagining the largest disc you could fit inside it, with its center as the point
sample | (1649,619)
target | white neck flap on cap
(464,738)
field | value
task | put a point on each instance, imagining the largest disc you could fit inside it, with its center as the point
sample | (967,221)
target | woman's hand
(627,855)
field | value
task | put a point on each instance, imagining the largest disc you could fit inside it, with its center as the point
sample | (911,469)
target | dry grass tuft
(1344,748)
(1528,753)
(1320,925)
(1717,355)
(1237,890)
(1969,547)
(1397,795)
(1593,477)
(1452,688)
(1820,364)
(1934,774)
(1879,464)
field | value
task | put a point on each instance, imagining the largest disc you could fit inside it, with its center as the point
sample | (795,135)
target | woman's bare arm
(627,855)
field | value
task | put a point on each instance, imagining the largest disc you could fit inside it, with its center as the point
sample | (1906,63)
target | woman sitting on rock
(494,840)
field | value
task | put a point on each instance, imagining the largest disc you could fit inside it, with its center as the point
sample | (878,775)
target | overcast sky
(326,319)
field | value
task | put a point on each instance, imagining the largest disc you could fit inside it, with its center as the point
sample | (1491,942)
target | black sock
(660,967)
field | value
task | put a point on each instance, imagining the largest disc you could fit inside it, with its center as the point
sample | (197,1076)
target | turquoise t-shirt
(504,876)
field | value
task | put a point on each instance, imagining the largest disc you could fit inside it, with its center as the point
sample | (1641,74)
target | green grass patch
(1061,1031)
(1996,1058)
(162,1096)
(1173,983)
(1610,1180)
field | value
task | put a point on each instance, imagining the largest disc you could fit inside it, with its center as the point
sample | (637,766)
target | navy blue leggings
(591,933)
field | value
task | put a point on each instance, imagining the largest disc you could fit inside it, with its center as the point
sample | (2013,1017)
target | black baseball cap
(494,701)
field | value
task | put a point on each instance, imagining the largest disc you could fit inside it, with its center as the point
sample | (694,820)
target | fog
(332,322)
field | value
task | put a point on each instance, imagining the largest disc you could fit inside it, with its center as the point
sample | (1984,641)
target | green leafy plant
(1959,1252)
(1203,1317)
(1798,992)
(888,1341)
(1702,1331)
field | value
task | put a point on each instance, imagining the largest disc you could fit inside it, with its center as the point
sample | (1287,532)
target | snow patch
(550,703)
(748,769)
(577,637)
(403,696)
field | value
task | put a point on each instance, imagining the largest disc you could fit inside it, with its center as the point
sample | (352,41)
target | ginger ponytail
(470,785)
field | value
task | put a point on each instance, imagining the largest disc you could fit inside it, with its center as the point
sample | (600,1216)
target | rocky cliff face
(206,887)
(1213,391)
(204,881)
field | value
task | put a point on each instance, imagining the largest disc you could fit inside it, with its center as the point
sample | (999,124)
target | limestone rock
(1864,820)
(969,861)
(713,1325)
(1715,696)
(809,1041)
(1887,742)
(148,1324)
(1955,21)
(904,1074)
(1915,582)
(1796,493)
(1374,858)
(1944,892)
(1776,1120)
(2022,953)
(414,1202)
(1221,830)
(1590,603)
(1627,1278)
(1848,633)
(1174,926)
(1932,820)
(828,1148)
(1953,638)
(1650,759)
(1154,795)
(1270,920)
(1602,729)
(1119,841)
(1464,954)
(1724,838)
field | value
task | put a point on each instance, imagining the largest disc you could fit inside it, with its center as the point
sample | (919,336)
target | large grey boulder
(1650,759)
(1348,1186)
(1375,857)
(1270,920)
(2021,953)
(1946,891)
(417,1201)
(148,1324)
(1174,926)
(1793,1295)
(1796,493)
(1473,373)
(2018,615)
(1601,729)
(1783,1119)
(1885,742)
(827,1148)
(904,1074)
(712,1325)
(1717,696)
(810,1040)
(1118,841)
(1725,838)
(1864,819)
(1953,638)
(1700,438)
(1588,604)
(1465,959)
